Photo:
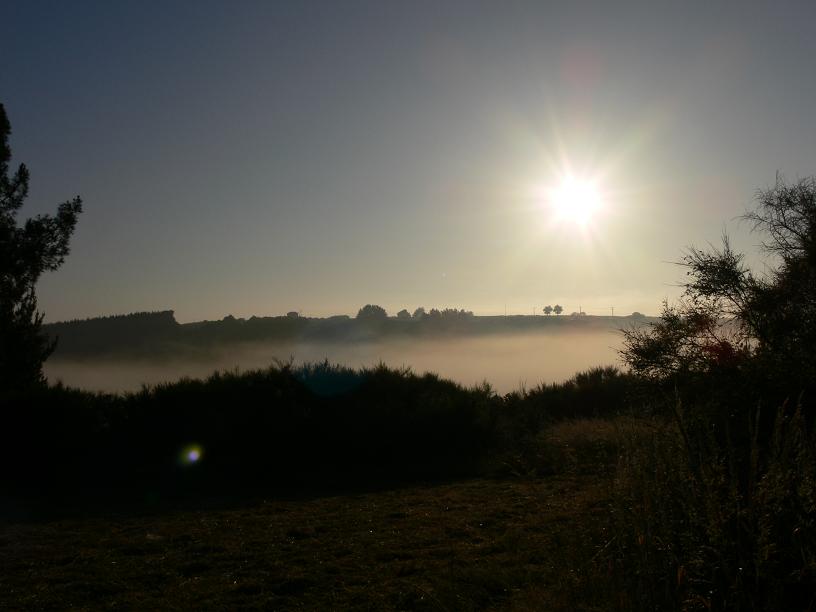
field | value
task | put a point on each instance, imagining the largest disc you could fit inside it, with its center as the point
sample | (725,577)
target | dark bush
(280,427)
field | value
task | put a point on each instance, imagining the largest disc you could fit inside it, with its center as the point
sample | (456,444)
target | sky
(252,158)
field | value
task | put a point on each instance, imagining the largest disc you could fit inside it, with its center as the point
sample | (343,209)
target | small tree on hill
(40,245)
(548,310)
(557,309)
(403,314)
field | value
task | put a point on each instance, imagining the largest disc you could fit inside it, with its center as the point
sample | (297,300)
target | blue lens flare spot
(191,454)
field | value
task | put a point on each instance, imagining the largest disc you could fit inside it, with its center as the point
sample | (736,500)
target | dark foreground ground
(482,544)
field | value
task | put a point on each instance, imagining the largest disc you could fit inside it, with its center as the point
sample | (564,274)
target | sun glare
(575,200)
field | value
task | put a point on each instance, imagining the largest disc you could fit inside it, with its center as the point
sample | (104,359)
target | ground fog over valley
(507,361)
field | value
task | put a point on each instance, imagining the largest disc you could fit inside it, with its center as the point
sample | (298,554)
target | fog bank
(507,362)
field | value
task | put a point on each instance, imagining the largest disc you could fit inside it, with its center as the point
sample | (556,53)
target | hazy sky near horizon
(259,157)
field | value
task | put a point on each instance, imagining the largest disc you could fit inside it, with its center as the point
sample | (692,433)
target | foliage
(731,318)
(448,315)
(372,312)
(528,417)
(693,530)
(718,510)
(263,429)
(40,245)
(548,310)
(271,429)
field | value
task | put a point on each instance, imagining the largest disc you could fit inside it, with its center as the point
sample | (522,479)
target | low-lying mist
(507,362)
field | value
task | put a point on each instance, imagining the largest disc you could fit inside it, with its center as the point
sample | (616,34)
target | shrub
(693,530)
(316,425)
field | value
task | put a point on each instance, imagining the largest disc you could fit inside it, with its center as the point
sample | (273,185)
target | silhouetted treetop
(40,245)
(372,312)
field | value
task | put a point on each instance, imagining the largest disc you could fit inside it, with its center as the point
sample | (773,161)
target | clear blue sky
(254,158)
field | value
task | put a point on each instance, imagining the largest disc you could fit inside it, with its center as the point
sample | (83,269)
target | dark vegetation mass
(157,335)
(705,445)
(717,510)
(284,428)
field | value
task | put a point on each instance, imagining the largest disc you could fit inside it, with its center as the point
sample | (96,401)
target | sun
(575,200)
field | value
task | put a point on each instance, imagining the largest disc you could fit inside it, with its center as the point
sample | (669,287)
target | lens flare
(191,454)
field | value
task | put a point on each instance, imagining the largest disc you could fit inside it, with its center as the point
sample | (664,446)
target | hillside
(154,335)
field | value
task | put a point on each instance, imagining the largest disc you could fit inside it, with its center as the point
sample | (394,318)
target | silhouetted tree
(40,245)
(419,313)
(728,314)
(292,314)
(453,313)
(548,310)
(557,309)
(735,358)
(403,314)
(372,312)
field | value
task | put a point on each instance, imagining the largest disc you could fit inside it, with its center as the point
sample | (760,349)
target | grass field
(495,544)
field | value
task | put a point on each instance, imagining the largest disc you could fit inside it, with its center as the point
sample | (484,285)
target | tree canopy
(372,312)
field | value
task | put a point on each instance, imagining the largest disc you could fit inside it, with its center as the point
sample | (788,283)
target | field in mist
(507,362)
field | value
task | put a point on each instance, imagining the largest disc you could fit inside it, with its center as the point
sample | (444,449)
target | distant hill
(158,334)
(102,335)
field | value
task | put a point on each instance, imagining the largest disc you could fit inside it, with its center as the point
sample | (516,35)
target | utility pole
(613,310)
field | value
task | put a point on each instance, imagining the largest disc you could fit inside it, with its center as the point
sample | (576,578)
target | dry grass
(473,545)
(587,446)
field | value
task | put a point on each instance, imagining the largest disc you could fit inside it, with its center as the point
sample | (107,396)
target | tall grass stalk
(707,518)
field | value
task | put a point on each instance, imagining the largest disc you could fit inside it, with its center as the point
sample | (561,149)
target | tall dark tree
(26,251)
